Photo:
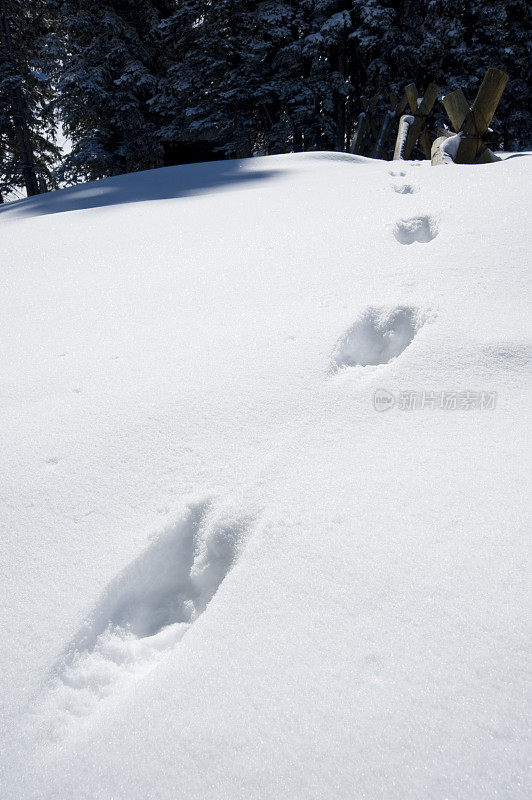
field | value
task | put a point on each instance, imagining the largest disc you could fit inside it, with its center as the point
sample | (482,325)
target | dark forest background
(136,84)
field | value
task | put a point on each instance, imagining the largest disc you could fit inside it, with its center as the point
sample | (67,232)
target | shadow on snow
(156,184)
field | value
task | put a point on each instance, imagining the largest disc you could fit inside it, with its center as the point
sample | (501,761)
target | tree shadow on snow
(155,184)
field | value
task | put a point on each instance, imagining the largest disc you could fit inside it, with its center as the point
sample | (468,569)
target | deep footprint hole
(148,608)
(404,188)
(173,580)
(378,336)
(416,229)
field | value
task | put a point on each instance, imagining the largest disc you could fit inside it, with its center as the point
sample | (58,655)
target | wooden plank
(420,119)
(429,98)
(401,106)
(426,142)
(456,106)
(487,99)
(412,95)
(385,130)
(479,116)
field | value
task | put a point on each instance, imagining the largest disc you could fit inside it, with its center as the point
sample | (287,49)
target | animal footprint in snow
(395,173)
(378,336)
(404,188)
(416,229)
(146,610)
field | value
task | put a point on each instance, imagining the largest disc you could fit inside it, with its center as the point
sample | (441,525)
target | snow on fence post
(472,123)
(444,149)
(416,128)
(404,124)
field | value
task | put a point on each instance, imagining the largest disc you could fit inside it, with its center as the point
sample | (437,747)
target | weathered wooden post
(366,125)
(396,109)
(402,132)
(358,142)
(472,123)
(413,126)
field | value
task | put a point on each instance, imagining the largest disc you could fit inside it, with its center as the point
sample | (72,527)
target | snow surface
(225,573)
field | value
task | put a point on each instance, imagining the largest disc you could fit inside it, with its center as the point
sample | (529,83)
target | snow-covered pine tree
(278,27)
(389,36)
(464,39)
(212,90)
(27,149)
(261,77)
(332,72)
(311,76)
(107,61)
(515,59)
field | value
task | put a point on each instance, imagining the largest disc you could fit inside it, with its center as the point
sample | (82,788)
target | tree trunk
(21,130)
(339,100)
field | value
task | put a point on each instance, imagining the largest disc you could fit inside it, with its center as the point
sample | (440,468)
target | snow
(378,336)
(264,507)
(450,146)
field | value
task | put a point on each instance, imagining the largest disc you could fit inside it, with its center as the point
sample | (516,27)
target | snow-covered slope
(246,553)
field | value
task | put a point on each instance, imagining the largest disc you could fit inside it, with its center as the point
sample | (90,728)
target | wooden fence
(471,124)
(465,143)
